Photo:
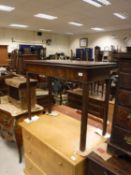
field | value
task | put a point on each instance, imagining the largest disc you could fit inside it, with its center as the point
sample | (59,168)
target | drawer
(46,158)
(125,66)
(125,80)
(96,169)
(31,168)
(124,97)
(123,117)
(122,139)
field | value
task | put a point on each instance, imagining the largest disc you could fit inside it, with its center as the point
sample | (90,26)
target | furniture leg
(29,95)
(50,93)
(18,140)
(107,92)
(84,117)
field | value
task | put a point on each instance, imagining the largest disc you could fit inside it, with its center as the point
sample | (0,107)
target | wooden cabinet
(3,55)
(113,166)
(10,117)
(50,144)
(120,141)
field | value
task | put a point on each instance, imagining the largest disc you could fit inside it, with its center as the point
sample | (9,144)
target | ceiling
(66,11)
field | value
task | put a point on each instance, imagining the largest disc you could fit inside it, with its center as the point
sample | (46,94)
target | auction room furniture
(3,86)
(25,52)
(114,166)
(120,142)
(79,71)
(15,109)
(51,145)
(10,116)
(3,55)
(18,91)
(43,98)
(97,100)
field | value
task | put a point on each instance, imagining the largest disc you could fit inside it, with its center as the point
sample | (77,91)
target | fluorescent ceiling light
(98,3)
(121,15)
(93,3)
(69,33)
(18,25)
(104,2)
(97,29)
(6,8)
(45,16)
(46,30)
(76,24)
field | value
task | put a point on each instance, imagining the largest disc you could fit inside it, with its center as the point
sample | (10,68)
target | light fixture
(121,15)
(6,8)
(76,24)
(18,25)
(104,2)
(45,30)
(69,33)
(97,29)
(98,3)
(45,16)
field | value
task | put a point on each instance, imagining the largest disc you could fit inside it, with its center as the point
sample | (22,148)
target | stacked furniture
(51,151)
(15,110)
(120,142)
(80,71)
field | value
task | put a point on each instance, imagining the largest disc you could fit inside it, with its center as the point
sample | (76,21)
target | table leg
(107,93)
(18,141)
(84,117)
(50,94)
(29,95)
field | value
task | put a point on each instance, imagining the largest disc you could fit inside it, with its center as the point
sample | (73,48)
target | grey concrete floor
(9,160)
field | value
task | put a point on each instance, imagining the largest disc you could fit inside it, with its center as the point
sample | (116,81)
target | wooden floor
(75,113)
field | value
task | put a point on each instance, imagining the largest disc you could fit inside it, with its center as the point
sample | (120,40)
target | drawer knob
(30,167)
(129,117)
(128,140)
(60,163)
(29,152)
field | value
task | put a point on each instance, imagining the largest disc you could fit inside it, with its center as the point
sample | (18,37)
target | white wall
(64,43)
(60,43)
(119,39)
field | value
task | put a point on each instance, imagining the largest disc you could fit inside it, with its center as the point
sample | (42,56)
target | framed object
(83,42)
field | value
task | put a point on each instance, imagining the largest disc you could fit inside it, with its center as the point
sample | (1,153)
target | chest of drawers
(50,144)
(120,142)
(113,166)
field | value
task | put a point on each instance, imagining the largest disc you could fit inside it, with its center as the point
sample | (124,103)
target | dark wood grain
(123,117)
(124,97)
(81,71)
(120,142)
(113,166)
